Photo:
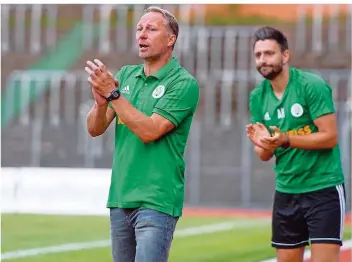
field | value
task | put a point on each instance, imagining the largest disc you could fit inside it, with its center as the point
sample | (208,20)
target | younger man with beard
(297,108)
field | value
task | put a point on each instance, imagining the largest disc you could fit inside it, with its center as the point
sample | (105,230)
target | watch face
(115,94)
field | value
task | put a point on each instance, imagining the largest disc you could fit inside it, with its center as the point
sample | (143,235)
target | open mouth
(143,47)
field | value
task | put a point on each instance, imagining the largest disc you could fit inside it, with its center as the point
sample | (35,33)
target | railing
(22,27)
(114,23)
(337,36)
(116,27)
(67,94)
(218,149)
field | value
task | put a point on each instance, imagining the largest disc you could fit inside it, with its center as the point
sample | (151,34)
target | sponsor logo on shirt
(126,90)
(303,131)
(119,121)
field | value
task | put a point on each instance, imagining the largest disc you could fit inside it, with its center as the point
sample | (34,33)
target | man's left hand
(100,78)
(275,141)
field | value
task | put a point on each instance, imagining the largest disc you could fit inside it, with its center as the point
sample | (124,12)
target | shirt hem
(308,189)
(175,212)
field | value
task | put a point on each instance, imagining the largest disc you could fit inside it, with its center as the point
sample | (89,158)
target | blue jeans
(141,235)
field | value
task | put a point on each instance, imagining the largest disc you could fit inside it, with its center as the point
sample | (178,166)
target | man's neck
(279,84)
(152,66)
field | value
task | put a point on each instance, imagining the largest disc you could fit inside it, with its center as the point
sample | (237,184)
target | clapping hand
(275,141)
(258,134)
(101,80)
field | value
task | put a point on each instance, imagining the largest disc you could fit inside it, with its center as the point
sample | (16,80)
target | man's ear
(286,56)
(172,40)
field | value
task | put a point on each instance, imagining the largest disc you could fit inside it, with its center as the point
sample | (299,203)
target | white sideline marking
(347,244)
(186,232)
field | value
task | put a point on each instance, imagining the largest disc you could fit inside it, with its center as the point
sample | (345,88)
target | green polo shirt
(151,174)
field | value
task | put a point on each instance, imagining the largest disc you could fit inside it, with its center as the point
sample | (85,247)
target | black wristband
(286,144)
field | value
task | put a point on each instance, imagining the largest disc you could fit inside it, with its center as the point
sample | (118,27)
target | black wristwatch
(115,94)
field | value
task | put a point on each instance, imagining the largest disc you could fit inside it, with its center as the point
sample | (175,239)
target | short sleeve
(118,77)
(179,101)
(254,111)
(319,98)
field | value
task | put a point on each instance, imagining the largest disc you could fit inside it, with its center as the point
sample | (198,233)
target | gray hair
(171,21)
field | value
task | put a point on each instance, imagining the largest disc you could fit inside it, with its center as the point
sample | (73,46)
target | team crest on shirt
(296,110)
(267,116)
(159,91)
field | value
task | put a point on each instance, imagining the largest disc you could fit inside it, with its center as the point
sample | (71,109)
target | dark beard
(276,70)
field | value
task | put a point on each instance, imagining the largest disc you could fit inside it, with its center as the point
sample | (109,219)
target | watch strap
(115,94)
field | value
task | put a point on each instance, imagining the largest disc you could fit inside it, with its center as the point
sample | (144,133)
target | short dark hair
(270,33)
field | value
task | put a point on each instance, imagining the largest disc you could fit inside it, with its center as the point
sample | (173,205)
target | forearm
(263,154)
(96,120)
(319,140)
(140,124)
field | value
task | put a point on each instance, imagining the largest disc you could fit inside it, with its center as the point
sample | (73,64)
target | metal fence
(22,27)
(221,168)
(117,29)
(37,25)
(337,37)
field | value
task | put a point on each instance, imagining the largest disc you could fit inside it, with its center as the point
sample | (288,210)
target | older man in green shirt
(154,104)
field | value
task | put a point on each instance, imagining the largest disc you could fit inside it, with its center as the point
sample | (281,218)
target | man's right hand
(257,131)
(99,99)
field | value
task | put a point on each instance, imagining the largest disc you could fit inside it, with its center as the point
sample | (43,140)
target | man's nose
(262,59)
(142,34)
